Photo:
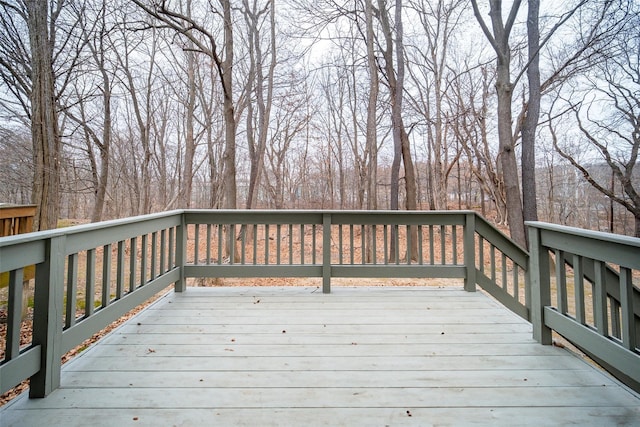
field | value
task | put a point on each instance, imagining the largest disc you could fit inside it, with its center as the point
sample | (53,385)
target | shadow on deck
(357,356)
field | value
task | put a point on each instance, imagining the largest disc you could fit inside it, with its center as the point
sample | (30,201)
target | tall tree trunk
(440,189)
(44,118)
(409,169)
(255,82)
(372,129)
(411,188)
(394,202)
(105,152)
(189,140)
(104,147)
(402,149)
(529,199)
(499,40)
(229,158)
(507,155)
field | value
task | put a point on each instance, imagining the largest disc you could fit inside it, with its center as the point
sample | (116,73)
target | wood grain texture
(357,356)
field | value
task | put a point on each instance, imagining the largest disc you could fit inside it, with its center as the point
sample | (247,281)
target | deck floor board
(358,356)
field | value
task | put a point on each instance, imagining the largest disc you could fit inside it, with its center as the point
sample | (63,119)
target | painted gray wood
(357,356)
(602,265)
(404,416)
(162,242)
(166,261)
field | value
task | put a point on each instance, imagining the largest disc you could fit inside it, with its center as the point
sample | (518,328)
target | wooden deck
(358,356)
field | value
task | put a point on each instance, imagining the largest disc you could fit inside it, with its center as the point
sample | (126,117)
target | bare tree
(190,104)
(395,74)
(530,125)
(350,128)
(573,63)
(15,163)
(291,119)
(395,80)
(498,37)
(469,93)
(140,101)
(335,91)
(372,103)
(210,120)
(29,30)
(588,37)
(167,161)
(95,128)
(439,20)
(222,55)
(256,82)
(609,119)
(44,119)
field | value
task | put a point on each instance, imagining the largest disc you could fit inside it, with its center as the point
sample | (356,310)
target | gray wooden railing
(582,285)
(88,276)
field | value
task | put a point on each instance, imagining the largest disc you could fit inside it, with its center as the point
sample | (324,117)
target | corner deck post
(540,285)
(326,253)
(470,252)
(47,318)
(181,251)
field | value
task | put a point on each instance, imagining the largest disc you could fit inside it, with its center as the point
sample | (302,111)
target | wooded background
(522,110)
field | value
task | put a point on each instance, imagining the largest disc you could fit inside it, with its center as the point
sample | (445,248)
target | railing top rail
(500,239)
(83,228)
(8,211)
(608,247)
(590,234)
(284,216)
(330,211)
